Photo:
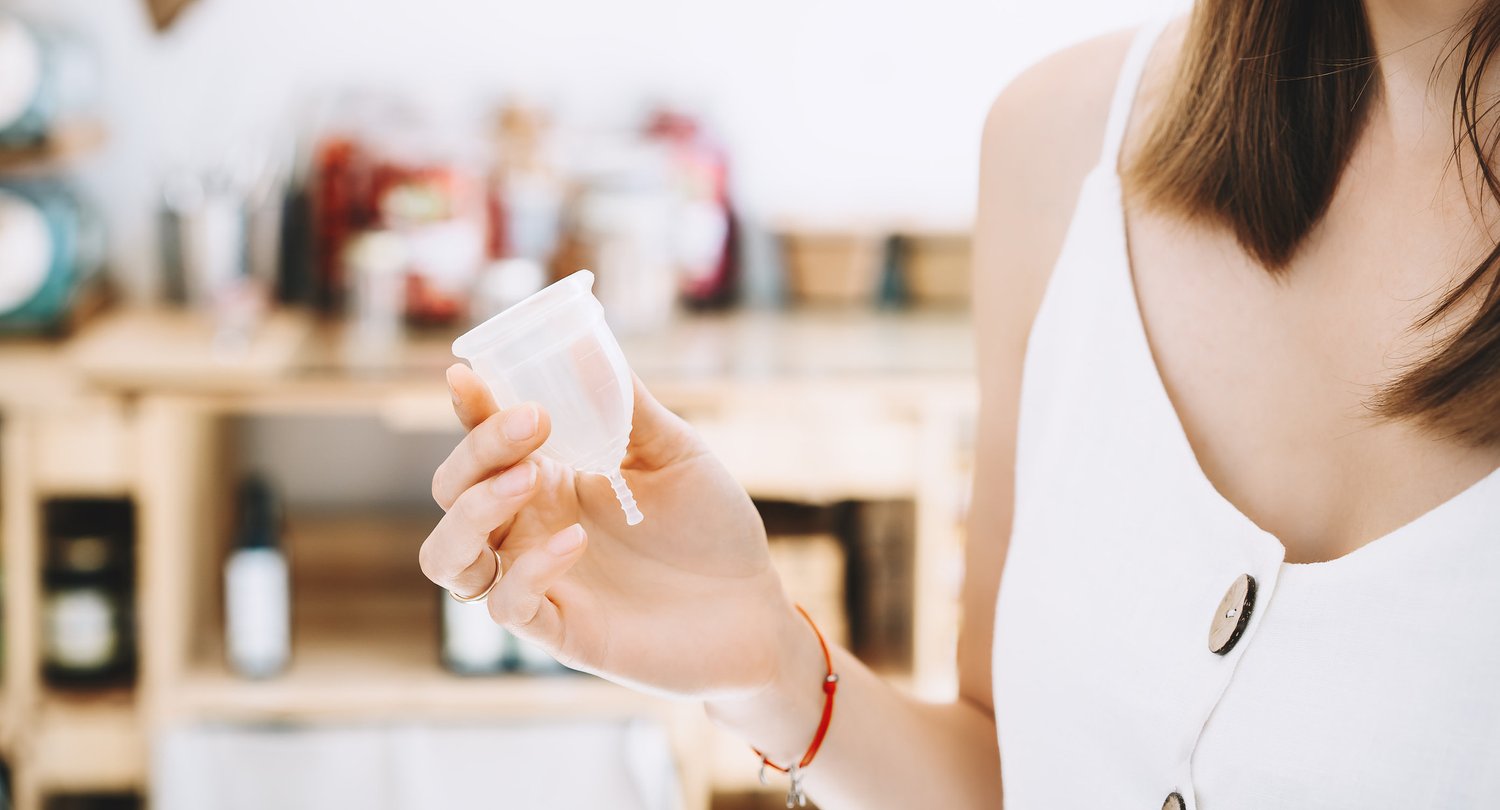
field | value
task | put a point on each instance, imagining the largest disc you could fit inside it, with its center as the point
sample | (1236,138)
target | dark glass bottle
(88,637)
(257,586)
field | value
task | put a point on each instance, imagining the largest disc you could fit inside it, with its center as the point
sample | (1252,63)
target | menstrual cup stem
(626,498)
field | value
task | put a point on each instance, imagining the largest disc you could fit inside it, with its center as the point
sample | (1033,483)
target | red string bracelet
(795,796)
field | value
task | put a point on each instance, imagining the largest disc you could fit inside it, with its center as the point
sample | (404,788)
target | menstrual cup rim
(519,317)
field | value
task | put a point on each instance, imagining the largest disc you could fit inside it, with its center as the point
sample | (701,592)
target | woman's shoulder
(1043,135)
(1059,106)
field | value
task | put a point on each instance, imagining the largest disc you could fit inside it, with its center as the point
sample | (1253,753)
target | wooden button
(1174,802)
(1232,616)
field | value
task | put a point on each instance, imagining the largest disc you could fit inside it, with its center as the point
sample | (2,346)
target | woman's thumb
(657,436)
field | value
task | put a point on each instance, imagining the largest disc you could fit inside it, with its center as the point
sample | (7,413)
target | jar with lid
(88,636)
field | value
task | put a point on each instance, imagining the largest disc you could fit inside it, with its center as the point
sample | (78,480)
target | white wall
(834,108)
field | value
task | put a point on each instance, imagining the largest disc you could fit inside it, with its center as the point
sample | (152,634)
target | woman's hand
(686,602)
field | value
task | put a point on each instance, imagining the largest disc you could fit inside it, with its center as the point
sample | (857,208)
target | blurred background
(237,238)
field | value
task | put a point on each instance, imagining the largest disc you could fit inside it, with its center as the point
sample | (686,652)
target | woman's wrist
(781,718)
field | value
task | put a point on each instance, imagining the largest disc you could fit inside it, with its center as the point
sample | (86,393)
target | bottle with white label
(87,638)
(257,588)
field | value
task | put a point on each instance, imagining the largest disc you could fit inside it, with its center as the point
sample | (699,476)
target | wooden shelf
(68,144)
(376,662)
(852,454)
(365,641)
(86,449)
(32,374)
(92,742)
(175,351)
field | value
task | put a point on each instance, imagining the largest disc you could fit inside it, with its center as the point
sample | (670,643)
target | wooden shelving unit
(57,439)
(63,147)
(89,743)
(812,407)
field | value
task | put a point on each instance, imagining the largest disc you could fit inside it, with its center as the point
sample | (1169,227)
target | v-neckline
(1172,418)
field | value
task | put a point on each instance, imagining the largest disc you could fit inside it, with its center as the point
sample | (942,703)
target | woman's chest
(1273,377)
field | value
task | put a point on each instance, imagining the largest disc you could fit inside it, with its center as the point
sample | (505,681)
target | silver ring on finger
(481,596)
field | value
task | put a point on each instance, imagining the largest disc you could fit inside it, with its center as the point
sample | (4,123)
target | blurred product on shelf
(893,292)
(89,625)
(51,240)
(378,167)
(619,223)
(376,262)
(47,78)
(530,659)
(472,643)
(850,564)
(471,227)
(812,569)
(833,266)
(934,267)
(882,588)
(436,205)
(505,283)
(808,553)
(704,228)
(296,277)
(649,213)
(220,240)
(528,189)
(51,249)
(866,266)
(257,588)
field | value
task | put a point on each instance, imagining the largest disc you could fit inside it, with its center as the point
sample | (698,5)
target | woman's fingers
(498,442)
(456,555)
(471,399)
(519,602)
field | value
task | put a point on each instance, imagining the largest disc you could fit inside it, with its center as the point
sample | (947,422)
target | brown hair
(1254,135)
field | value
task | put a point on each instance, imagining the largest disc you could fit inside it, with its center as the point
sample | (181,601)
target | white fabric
(555,765)
(1371,681)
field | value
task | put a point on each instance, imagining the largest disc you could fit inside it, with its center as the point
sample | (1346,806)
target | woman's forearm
(884,749)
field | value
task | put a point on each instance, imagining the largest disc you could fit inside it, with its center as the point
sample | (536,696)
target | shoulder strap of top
(1126,86)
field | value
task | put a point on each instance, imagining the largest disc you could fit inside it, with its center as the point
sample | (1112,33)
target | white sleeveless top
(1371,681)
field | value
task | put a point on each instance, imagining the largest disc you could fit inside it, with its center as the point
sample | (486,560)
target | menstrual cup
(555,349)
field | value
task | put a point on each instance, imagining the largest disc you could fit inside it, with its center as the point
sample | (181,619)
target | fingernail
(517,480)
(566,541)
(521,423)
(453,394)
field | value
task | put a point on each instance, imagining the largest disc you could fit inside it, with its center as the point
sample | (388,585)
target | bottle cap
(258,524)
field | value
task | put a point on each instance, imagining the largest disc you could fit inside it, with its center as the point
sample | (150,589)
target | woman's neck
(1419,69)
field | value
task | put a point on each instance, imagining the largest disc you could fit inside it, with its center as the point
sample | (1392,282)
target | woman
(1238,464)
